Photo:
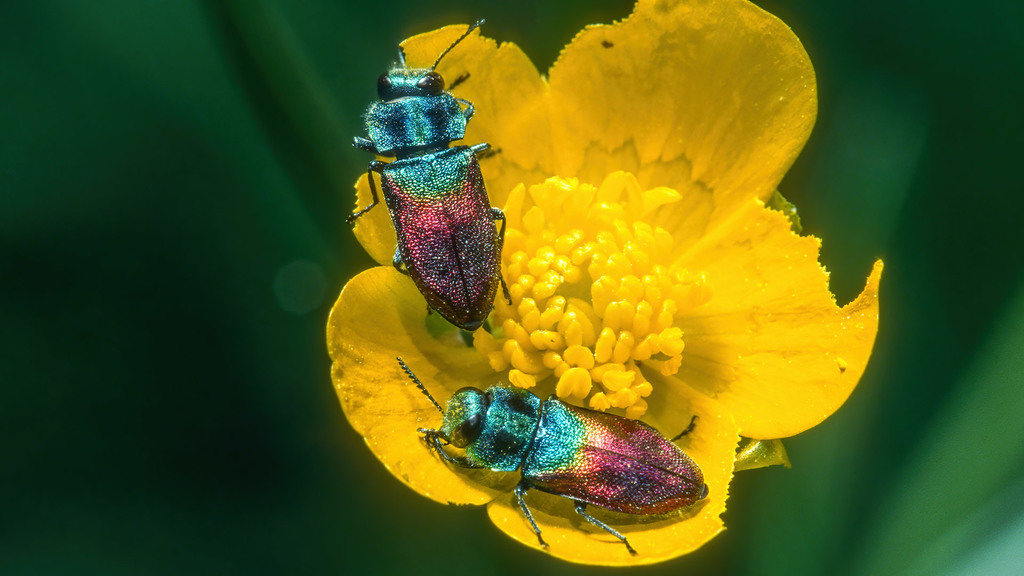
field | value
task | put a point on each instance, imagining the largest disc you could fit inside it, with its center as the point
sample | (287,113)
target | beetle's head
(402,82)
(464,417)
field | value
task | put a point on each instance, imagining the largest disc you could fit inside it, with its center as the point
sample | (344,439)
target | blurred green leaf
(974,453)
(291,101)
(998,544)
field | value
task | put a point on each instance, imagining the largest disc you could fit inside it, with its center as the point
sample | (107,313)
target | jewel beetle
(587,456)
(444,223)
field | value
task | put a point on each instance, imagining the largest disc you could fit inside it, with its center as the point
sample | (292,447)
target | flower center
(595,293)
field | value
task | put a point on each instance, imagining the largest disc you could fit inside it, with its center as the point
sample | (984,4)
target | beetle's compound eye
(383,86)
(467,432)
(464,417)
(432,83)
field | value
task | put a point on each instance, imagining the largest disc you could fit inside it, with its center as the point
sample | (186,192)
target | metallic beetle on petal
(444,223)
(587,456)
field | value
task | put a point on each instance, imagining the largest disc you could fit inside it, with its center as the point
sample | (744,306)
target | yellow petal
(379,316)
(695,95)
(711,444)
(771,344)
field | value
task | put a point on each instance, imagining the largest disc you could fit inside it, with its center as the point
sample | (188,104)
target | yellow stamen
(595,293)
(599,401)
(521,379)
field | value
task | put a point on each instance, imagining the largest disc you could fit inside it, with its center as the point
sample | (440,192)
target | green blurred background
(171,243)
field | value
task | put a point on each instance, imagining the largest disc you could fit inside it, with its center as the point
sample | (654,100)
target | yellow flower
(647,275)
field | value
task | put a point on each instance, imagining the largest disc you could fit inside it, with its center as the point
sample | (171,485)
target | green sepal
(779,202)
(753,454)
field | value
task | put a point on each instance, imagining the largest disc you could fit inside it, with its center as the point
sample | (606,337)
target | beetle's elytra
(587,456)
(444,223)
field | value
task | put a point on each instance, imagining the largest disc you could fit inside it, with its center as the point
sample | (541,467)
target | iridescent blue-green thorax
(410,125)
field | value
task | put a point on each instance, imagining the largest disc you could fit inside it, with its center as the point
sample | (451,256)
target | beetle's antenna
(418,383)
(460,39)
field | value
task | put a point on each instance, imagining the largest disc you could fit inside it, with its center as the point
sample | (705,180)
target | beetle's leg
(460,461)
(581,510)
(398,263)
(457,81)
(365,144)
(468,112)
(504,289)
(484,150)
(375,166)
(434,440)
(689,428)
(497,214)
(520,492)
